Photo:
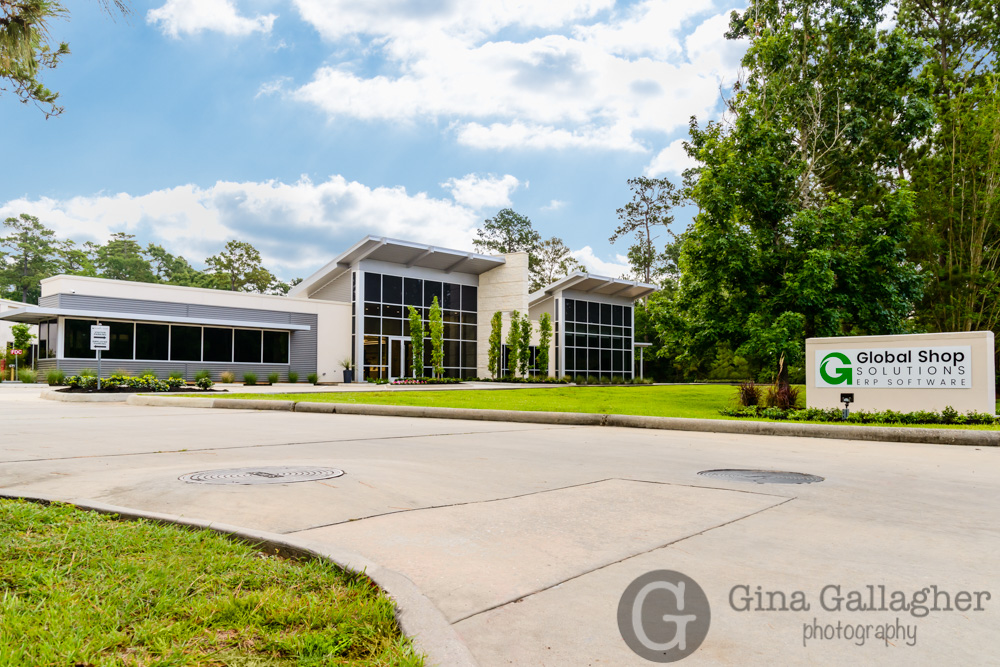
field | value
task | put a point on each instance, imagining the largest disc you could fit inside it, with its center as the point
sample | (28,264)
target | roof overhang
(405,253)
(36,314)
(597,285)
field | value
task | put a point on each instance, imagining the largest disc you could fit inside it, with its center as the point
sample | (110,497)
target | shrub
(227,376)
(313,378)
(293,376)
(783,396)
(617,379)
(175,375)
(250,378)
(273,378)
(204,382)
(202,374)
(147,372)
(748,393)
(55,377)
(592,379)
(27,375)
(88,372)
(950,416)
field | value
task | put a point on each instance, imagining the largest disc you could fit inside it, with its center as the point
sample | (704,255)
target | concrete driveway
(526,536)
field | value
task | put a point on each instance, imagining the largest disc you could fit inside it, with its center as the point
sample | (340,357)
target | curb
(417,616)
(781,429)
(55,395)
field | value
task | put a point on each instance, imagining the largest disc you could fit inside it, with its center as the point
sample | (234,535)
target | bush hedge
(948,415)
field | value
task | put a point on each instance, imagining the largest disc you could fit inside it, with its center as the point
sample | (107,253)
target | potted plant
(348,367)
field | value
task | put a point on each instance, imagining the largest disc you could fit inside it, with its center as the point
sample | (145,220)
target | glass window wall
(598,339)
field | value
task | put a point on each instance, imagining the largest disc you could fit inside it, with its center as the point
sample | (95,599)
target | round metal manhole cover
(762,476)
(265,475)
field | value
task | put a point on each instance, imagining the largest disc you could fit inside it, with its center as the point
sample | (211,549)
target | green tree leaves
(238,268)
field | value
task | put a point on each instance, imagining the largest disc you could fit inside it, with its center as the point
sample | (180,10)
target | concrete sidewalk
(525,536)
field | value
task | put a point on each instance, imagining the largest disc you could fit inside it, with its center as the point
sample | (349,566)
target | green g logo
(841,375)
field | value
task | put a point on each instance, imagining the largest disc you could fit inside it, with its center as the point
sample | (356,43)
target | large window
(275,347)
(122,335)
(598,339)
(386,320)
(218,344)
(172,342)
(77,345)
(48,339)
(247,346)
(152,342)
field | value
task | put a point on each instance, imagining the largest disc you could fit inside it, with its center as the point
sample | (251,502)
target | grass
(79,588)
(688,401)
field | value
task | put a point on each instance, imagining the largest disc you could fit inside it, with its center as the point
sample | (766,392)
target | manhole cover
(268,475)
(762,476)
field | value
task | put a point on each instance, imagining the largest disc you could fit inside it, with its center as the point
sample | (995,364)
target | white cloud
(538,137)
(188,17)
(296,226)
(671,160)
(554,205)
(478,192)
(600,79)
(600,267)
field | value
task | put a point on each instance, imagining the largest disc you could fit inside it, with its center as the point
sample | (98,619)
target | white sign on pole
(100,337)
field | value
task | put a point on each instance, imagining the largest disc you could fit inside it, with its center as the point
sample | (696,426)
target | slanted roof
(405,253)
(598,285)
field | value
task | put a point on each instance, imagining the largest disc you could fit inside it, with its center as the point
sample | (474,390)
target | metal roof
(405,253)
(602,285)
(36,314)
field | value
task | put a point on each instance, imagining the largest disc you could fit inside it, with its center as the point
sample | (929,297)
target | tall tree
(524,345)
(956,167)
(238,267)
(544,341)
(514,344)
(494,360)
(417,341)
(553,261)
(122,258)
(25,50)
(175,270)
(803,219)
(32,253)
(644,217)
(435,324)
(509,231)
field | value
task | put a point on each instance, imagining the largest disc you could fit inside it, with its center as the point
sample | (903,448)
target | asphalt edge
(782,429)
(418,617)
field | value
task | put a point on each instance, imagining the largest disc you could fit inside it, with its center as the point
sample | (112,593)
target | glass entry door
(400,357)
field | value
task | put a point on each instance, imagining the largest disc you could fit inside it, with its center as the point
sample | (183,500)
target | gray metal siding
(50,301)
(336,290)
(107,306)
(302,354)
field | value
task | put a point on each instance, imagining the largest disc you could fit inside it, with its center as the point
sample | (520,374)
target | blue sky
(302,126)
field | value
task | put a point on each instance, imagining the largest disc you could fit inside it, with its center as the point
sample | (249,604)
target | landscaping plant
(514,343)
(544,340)
(417,340)
(26,375)
(55,377)
(496,344)
(313,378)
(273,378)
(227,376)
(293,376)
(250,378)
(437,339)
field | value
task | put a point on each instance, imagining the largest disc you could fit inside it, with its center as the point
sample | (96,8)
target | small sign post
(17,355)
(100,339)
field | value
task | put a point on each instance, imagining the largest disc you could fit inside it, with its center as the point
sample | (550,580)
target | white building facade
(352,312)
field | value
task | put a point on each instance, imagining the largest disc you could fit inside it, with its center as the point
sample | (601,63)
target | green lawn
(79,588)
(692,401)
